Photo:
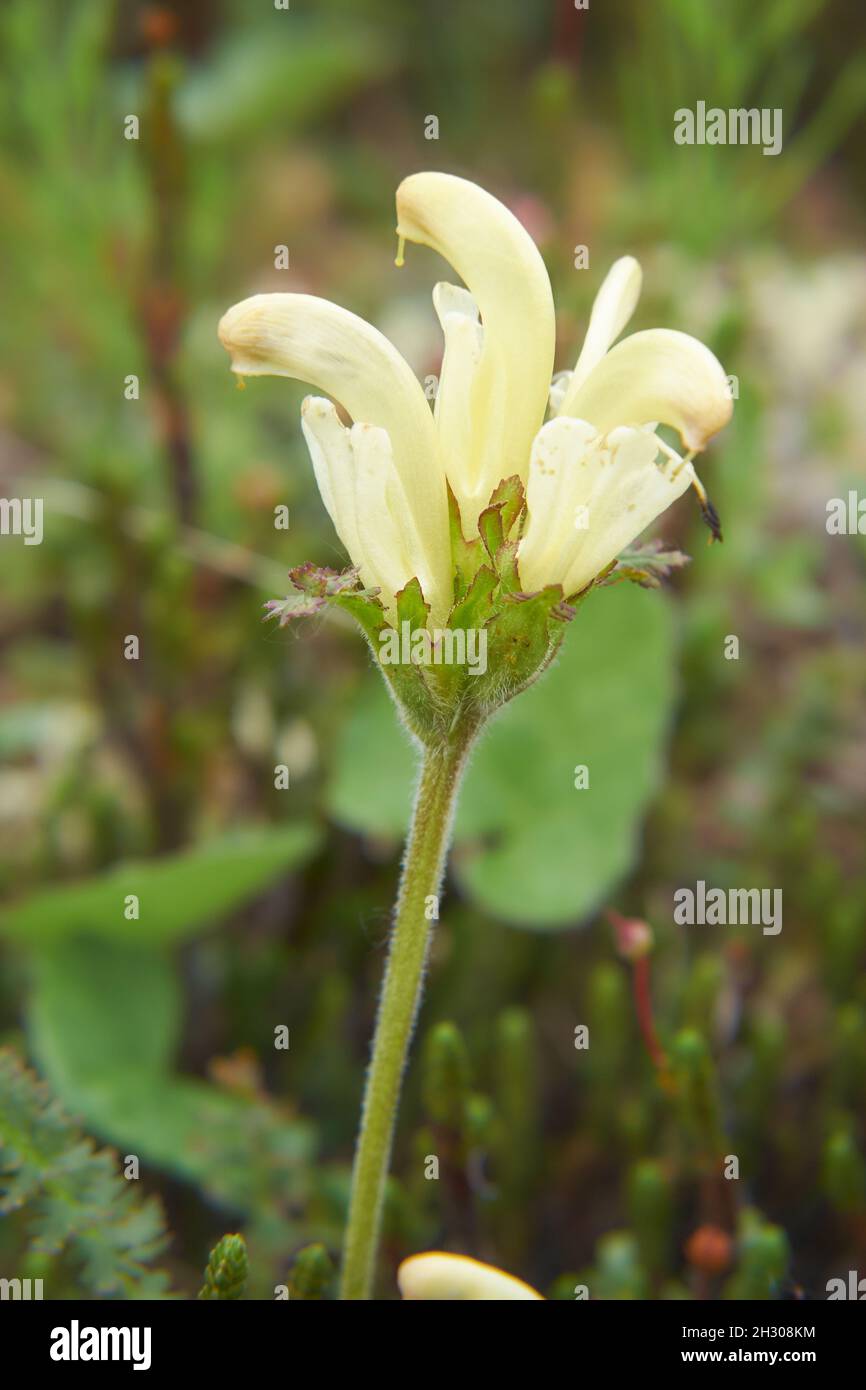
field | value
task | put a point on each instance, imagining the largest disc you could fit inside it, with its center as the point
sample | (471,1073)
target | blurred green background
(262,907)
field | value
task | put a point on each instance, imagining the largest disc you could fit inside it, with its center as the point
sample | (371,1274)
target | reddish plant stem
(644,1008)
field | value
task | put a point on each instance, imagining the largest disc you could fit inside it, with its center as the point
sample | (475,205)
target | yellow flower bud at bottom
(456,1278)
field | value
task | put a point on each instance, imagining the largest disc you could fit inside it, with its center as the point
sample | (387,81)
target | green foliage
(178,894)
(517,1092)
(530,848)
(844,1171)
(514,1140)
(650,1203)
(617,1273)
(257,80)
(647,565)
(104,1023)
(227,1270)
(75,1201)
(312,1274)
(697,1094)
(700,54)
(764,1257)
(446,1076)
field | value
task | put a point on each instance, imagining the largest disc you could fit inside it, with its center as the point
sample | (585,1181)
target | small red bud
(709,1249)
(634,937)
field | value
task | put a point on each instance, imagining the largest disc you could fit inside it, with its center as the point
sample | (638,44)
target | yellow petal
(389,539)
(613,307)
(498,260)
(365,499)
(588,497)
(464,337)
(455,1278)
(558,390)
(656,375)
(555,488)
(301,336)
(330,449)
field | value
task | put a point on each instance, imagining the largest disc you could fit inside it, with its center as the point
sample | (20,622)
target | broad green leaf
(178,894)
(529,847)
(103,1023)
(87,1019)
(374,768)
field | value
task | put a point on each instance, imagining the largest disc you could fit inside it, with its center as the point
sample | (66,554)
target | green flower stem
(423,866)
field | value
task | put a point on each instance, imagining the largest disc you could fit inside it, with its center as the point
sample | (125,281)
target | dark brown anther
(711,518)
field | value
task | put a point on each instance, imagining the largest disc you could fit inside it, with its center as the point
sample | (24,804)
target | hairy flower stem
(423,866)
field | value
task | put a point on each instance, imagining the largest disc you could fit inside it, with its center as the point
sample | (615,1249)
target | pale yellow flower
(595,474)
(455,1278)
